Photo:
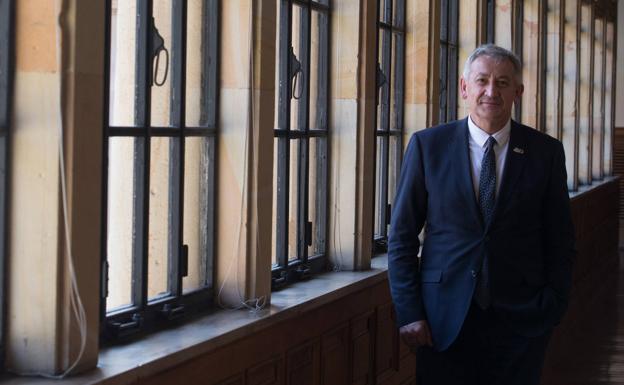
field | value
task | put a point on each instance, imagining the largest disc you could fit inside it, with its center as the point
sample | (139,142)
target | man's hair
(496,53)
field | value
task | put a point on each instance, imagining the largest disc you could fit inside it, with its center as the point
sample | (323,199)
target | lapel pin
(518,150)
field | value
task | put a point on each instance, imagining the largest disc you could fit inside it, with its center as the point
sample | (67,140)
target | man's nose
(491,89)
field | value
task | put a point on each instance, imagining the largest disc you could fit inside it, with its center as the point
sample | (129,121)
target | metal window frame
(449,59)
(490,15)
(145,314)
(7,39)
(287,269)
(391,29)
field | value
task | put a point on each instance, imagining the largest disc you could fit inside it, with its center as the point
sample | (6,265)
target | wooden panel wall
(353,340)
(595,215)
(618,163)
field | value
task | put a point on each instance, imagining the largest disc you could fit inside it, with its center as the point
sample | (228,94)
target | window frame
(449,60)
(490,22)
(394,31)
(145,314)
(517,46)
(7,41)
(288,270)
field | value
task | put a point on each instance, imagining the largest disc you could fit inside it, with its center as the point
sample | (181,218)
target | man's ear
(519,92)
(462,88)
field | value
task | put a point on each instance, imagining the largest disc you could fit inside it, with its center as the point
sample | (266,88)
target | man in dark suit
(495,268)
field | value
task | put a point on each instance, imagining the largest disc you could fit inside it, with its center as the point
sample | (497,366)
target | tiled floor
(596,351)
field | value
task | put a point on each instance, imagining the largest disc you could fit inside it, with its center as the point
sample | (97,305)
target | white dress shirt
(476,143)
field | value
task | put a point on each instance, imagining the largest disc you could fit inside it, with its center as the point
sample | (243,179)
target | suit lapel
(514,162)
(463,169)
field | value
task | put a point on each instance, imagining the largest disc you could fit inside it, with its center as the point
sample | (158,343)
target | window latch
(171,312)
(122,329)
(279,282)
(381,77)
(303,271)
(156,48)
(296,74)
(104,288)
(184,261)
(308,233)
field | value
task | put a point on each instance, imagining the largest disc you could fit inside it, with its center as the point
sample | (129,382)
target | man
(495,268)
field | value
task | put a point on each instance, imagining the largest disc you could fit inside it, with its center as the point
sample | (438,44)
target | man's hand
(416,334)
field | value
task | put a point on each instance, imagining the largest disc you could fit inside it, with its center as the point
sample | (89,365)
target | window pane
(293,204)
(122,63)
(298,87)
(194,54)
(161,90)
(381,184)
(160,228)
(198,211)
(317,195)
(120,235)
(584,97)
(597,128)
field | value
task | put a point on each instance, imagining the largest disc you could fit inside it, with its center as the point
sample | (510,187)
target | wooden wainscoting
(351,340)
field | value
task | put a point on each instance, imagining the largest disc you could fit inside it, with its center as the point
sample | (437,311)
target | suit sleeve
(559,235)
(408,216)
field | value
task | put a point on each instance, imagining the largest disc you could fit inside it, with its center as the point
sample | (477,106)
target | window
(516,42)
(585,80)
(389,127)
(160,161)
(6,71)
(300,160)
(553,69)
(490,23)
(449,23)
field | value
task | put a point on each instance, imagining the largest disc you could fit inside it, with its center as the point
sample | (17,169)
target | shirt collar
(480,136)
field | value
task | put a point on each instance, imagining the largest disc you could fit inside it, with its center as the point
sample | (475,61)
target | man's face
(490,91)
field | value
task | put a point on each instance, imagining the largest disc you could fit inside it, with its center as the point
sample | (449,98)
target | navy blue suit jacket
(529,241)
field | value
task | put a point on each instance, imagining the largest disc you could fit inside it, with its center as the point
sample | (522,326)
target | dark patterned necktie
(487,199)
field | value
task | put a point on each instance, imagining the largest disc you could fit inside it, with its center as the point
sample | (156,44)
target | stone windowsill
(124,364)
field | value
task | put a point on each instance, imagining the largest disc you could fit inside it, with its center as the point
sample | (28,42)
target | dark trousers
(486,352)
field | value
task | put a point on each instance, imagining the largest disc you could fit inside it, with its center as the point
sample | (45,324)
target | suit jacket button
(474,273)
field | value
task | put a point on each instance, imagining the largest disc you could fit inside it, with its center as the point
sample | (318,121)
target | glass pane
(201,73)
(119,242)
(194,54)
(160,226)
(293,193)
(276,158)
(161,90)
(385,11)
(298,84)
(393,83)
(598,122)
(122,63)
(381,180)
(584,97)
(394,165)
(198,211)
(317,205)
(314,74)
(384,57)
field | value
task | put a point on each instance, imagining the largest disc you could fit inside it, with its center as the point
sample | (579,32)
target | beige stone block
(343,183)
(345,40)
(34,220)
(36,28)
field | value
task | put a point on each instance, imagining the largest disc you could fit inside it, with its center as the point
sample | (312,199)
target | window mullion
(142,154)
(176,147)
(283,150)
(303,120)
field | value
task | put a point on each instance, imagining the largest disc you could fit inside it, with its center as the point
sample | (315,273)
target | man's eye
(503,83)
(480,81)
